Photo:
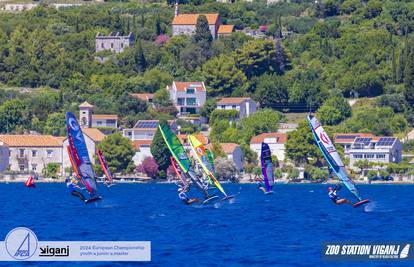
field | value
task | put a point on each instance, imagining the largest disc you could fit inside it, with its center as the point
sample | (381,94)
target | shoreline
(278,182)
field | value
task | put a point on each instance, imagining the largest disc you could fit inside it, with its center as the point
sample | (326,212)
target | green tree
(263,121)
(409,78)
(329,115)
(55,124)
(222,76)
(140,60)
(118,151)
(160,151)
(271,90)
(209,106)
(128,105)
(14,113)
(202,36)
(51,170)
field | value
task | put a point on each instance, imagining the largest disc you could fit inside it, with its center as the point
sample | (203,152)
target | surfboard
(362,202)
(227,197)
(93,199)
(268,192)
(208,200)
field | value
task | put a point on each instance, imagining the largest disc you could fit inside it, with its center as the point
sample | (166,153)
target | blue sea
(287,228)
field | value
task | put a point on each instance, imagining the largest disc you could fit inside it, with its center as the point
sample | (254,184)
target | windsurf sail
(179,154)
(210,157)
(29,182)
(331,155)
(105,167)
(202,157)
(177,171)
(267,167)
(79,153)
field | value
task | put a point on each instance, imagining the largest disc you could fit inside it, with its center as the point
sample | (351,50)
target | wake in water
(370,207)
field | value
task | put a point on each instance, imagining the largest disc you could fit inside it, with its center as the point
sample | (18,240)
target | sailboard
(202,157)
(30,182)
(105,168)
(267,168)
(331,156)
(179,154)
(79,153)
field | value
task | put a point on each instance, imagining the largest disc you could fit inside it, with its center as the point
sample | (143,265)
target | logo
(54,251)
(405,251)
(21,243)
(325,138)
(73,124)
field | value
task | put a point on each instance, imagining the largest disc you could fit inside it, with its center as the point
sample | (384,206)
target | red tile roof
(281,138)
(232,100)
(104,117)
(138,143)
(191,19)
(95,134)
(182,86)
(28,140)
(350,137)
(225,29)
(86,105)
(143,96)
(229,148)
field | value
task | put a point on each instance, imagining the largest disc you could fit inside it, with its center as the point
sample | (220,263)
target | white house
(4,156)
(87,119)
(143,150)
(244,105)
(377,150)
(234,153)
(32,153)
(188,97)
(93,137)
(276,142)
(347,139)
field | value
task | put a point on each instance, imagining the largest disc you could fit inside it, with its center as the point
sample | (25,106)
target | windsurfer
(332,193)
(73,188)
(183,196)
(260,185)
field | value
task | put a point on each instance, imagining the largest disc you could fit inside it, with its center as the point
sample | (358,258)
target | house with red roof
(186,23)
(187,97)
(89,120)
(276,142)
(244,105)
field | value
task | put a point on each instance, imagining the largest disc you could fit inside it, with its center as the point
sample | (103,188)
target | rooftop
(191,19)
(28,140)
(350,137)
(95,134)
(270,138)
(232,100)
(140,143)
(225,29)
(182,86)
(105,116)
(149,124)
(229,148)
(86,105)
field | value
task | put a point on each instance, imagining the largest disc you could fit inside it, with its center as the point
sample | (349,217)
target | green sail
(176,148)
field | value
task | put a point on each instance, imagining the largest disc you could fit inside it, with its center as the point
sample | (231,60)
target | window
(190,91)
(380,156)
(233,107)
(49,153)
(34,167)
(191,101)
(368,156)
(34,153)
(21,167)
(223,106)
(21,153)
(357,156)
(102,45)
(180,101)
(112,45)
(122,45)
(99,123)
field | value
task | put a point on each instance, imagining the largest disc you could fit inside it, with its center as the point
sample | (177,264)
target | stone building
(113,42)
(89,120)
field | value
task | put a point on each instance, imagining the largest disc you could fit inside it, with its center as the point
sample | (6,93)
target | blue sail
(331,155)
(267,167)
(79,152)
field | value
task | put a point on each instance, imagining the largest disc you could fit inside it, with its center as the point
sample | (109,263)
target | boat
(267,168)
(30,182)
(179,154)
(333,159)
(201,156)
(108,175)
(78,154)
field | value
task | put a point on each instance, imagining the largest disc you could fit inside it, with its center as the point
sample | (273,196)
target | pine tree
(409,77)
(400,67)
(160,151)
(158,29)
(140,61)
(202,36)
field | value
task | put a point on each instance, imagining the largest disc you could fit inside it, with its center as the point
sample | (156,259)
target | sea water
(286,228)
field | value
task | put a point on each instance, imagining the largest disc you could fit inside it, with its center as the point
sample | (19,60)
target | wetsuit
(333,196)
(72,188)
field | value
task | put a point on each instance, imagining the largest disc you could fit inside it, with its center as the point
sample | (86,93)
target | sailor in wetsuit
(74,188)
(260,185)
(335,198)
(183,196)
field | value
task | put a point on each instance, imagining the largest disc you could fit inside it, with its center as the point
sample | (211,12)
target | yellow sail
(201,156)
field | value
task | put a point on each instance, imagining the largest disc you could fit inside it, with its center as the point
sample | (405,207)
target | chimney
(176,9)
